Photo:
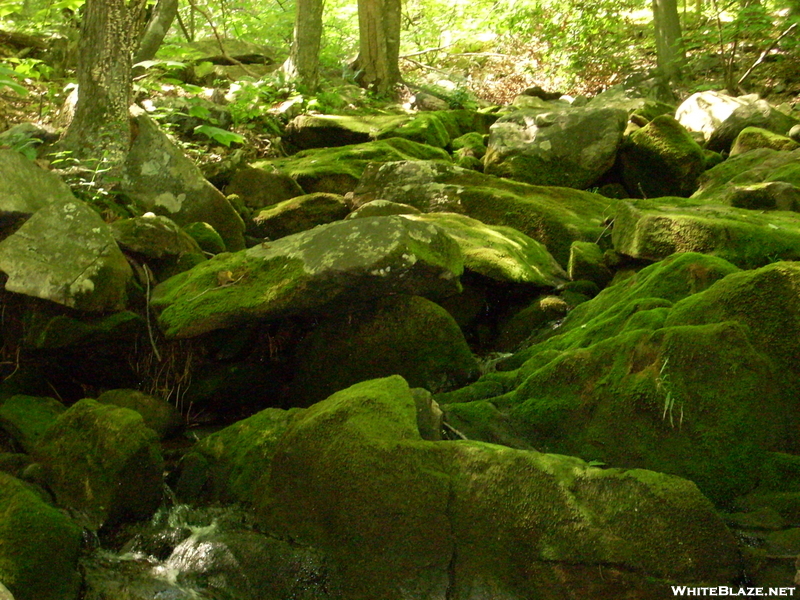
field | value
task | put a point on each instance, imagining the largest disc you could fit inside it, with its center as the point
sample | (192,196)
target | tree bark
(163,16)
(669,45)
(303,61)
(379,45)
(100,128)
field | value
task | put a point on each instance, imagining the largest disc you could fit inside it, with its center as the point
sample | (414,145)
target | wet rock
(159,177)
(405,335)
(570,148)
(299,214)
(661,159)
(65,253)
(332,265)
(38,545)
(103,461)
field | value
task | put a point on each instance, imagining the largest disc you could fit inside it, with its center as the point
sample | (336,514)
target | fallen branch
(761,58)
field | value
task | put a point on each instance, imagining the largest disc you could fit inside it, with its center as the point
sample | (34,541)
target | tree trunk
(379,45)
(669,45)
(100,128)
(163,16)
(303,61)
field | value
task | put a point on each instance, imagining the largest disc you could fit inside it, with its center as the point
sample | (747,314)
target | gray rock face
(339,263)
(570,148)
(25,187)
(160,178)
(65,253)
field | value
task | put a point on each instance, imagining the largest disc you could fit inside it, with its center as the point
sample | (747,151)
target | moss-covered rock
(587,261)
(661,159)
(382,208)
(26,418)
(570,148)
(525,323)
(654,229)
(756,166)
(65,253)
(497,252)
(772,195)
(38,545)
(553,216)
(337,170)
(166,248)
(206,237)
(751,138)
(404,335)
(49,329)
(259,188)
(299,214)
(158,415)
(103,461)
(405,518)
(339,263)
(25,188)
(159,177)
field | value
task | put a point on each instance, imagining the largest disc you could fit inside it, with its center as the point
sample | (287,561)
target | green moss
(424,128)
(751,138)
(206,237)
(661,159)
(240,456)
(26,418)
(299,214)
(761,164)
(103,461)
(654,229)
(38,545)
(337,170)
(405,335)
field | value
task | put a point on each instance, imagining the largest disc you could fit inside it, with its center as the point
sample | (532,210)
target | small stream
(211,553)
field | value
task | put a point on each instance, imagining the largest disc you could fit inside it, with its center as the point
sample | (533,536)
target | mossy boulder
(404,335)
(337,170)
(65,253)
(206,237)
(757,166)
(751,138)
(38,545)
(158,415)
(26,418)
(160,178)
(299,214)
(497,252)
(103,461)
(523,324)
(52,327)
(654,229)
(569,148)
(587,261)
(335,264)
(772,195)
(661,159)
(553,216)
(259,188)
(401,517)
(165,247)
(382,208)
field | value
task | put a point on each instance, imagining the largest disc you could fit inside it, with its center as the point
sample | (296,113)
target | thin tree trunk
(303,61)
(163,16)
(669,46)
(100,128)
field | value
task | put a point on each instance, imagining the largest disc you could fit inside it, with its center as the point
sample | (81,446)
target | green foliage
(221,136)
(8,79)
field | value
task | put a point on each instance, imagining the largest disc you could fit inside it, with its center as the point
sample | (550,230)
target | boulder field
(548,350)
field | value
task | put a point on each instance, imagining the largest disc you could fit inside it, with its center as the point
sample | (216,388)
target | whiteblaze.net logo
(724,590)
